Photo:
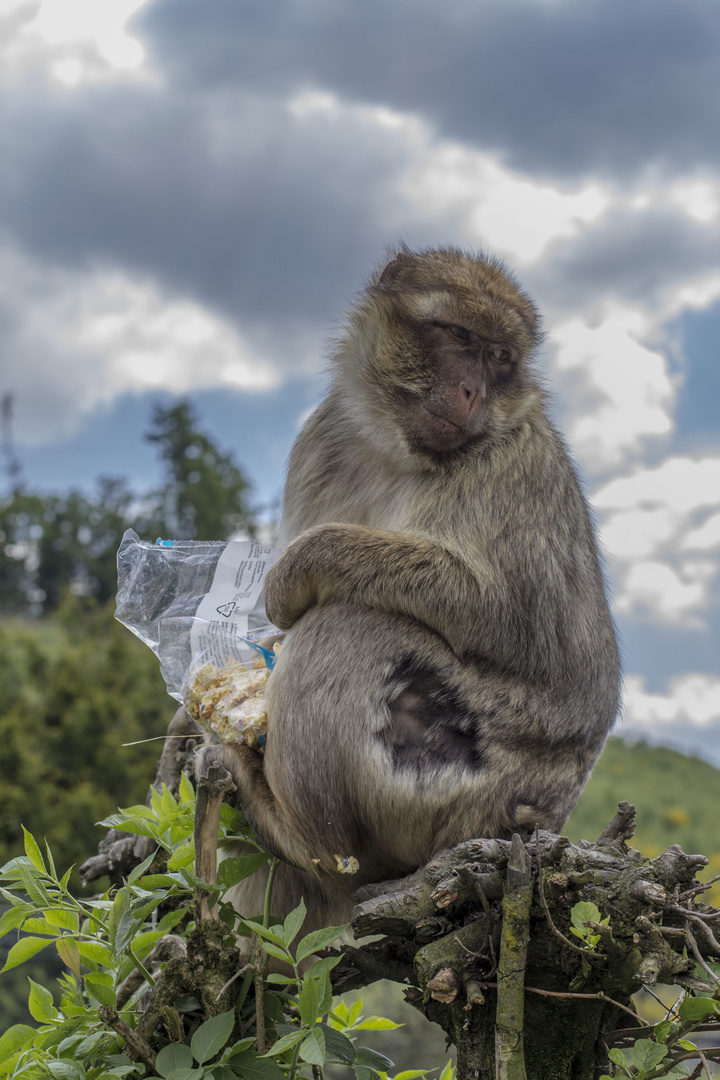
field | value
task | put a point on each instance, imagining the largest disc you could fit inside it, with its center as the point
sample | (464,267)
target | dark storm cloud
(229,201)
(561,88)
(635,257)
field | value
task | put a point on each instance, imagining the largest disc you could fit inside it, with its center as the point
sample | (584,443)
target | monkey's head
(440,346)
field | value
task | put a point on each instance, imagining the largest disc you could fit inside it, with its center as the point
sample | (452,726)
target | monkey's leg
(245,768)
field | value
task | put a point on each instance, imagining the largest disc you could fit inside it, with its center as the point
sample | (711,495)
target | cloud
(75,41)
(661,529)
(692,698)
(629,386)
(78,340)
(561,89)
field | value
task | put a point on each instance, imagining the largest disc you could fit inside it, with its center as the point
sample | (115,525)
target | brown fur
(450,669)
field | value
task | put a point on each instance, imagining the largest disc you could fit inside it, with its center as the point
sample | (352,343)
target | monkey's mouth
(441,423)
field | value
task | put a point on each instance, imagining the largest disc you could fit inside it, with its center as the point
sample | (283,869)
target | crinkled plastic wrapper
(199,606)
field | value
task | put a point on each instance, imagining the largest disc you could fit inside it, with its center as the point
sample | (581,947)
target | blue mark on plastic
(164,543)
(267,655)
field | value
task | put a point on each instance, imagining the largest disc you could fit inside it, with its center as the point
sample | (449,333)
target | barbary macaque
(450,668)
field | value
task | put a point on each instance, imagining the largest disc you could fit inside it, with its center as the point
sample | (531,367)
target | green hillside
(677,799)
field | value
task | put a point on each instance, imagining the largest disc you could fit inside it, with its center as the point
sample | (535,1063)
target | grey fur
(450,669)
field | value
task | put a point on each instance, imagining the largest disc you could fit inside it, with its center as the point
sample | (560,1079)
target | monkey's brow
(450,324)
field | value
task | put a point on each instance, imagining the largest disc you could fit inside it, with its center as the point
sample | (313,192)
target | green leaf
(325,964)
(318,939)
(686,1044)
(365,1056)
(95,952)
(24,950)
(412,1074)
(99,984)
(186,791)
(63,919)
(376,1023)
(647,1054)
(312,1049)
(293,923)
(11,919)
(309,1000)
(694,1009)
(264,932)
(662,1030)
(33,851)
(65,1070)
(14,1039)
(583,912)
(211,1036)
(69,953)
(126,929)
(139,870)
(448,1071)
(182,856)
(288,1041)
(238,1047)
(35,888)
(40,1003)
(174,1056)
(337,1046)
(274,950)
(232,870)
(325,992)
(251,1067)
(168,801)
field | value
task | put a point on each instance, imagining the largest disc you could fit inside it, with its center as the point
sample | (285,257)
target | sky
(191,193)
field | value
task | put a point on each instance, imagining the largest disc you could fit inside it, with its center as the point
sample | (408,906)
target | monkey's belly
(375,751)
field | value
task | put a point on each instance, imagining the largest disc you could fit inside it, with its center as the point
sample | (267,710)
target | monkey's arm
(470,607)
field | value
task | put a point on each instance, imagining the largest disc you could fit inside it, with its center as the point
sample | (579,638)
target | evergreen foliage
(73,690)
(52,543)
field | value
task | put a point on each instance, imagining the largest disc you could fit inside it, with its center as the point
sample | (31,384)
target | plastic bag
(199,606)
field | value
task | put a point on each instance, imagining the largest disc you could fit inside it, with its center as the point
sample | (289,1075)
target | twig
(260,1001)
(136,1043)
(668,1008)
(705,1064)
(698,956)
(210,793)
(600,996)
(515,936)
(230,981)
(558,933)
(703,887)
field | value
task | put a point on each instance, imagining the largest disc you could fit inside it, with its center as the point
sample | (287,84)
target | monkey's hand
(388,571)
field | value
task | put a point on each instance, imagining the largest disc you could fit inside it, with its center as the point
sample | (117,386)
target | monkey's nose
(472,392)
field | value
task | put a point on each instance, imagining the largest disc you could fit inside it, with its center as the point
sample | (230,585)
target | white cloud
(671,594)
(82,340)
(682,483)
(694,699)
(76,40)
(649,521)
(705,537)
(631,385)
(500,208)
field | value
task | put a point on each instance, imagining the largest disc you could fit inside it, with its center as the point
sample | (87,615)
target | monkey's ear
(394,269)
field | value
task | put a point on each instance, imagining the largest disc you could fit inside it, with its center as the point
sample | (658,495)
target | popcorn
(346,864)
(230,702)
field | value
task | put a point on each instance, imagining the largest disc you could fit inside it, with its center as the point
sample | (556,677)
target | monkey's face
(459,380)
(455,337)
(439,349)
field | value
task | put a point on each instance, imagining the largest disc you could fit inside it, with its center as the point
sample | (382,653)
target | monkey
(450,667)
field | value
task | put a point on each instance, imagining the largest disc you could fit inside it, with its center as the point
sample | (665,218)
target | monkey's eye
(500,355)
(460,333)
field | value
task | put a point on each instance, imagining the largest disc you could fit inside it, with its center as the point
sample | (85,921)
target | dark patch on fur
(430,727)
